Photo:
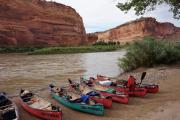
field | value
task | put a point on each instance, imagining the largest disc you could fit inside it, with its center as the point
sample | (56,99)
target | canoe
(39,107)
(151,88)
(97,97)
(8,110)
(135,92)
(119,97)
(138,91)
(106,102)
(69,99)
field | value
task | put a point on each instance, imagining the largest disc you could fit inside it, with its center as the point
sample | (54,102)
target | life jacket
(85,98)
(131,82)
(92,93)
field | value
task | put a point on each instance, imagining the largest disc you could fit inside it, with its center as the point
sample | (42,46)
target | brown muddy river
(37,71)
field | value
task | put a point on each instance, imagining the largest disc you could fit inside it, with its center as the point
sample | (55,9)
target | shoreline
(151,107)
(165,104)
(60,50)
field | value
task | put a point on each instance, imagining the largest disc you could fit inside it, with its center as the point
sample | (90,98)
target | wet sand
(162,106)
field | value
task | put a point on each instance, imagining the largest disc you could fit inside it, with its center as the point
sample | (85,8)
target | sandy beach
(162,106)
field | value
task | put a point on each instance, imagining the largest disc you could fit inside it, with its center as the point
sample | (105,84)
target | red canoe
(150,88)
(39,107)
(136,92)
(120,97)
(107,103)
(115,97)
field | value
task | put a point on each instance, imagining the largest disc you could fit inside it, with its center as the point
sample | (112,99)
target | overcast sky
(100,15)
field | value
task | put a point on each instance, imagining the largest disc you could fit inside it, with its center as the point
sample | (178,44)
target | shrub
(149,52)
(106,43)
(17,49)
(80,49)
(100,43)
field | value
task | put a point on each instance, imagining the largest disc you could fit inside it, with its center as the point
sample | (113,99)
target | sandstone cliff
(92,38)
(139,29)
(39,23)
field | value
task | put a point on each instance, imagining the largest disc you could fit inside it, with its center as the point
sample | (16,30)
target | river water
(37,71)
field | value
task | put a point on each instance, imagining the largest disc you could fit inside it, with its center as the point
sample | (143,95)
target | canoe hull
(46,115)
(152,88)
(91,109)
(136,92)
(116,98)
(107,103)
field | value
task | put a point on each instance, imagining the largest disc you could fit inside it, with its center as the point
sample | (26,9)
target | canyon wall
(27,23)
(92,38)
(139,29)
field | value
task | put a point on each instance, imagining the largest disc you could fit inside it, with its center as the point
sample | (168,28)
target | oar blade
(143,75)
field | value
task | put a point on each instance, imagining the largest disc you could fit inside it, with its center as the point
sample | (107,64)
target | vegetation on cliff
(148,53)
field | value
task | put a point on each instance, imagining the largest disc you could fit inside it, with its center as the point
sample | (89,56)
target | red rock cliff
(139,29)
(39,23)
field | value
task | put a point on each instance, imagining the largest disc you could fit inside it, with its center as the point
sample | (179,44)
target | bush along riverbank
(97,47)
(80,49)
(4,50)
(149,52)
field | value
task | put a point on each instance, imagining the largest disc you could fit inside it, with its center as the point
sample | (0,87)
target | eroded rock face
(139,29)
(92,38)
(39,23)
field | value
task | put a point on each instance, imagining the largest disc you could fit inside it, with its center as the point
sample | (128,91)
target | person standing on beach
(131,82)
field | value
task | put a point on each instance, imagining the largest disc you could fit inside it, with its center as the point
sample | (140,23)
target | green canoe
(110,90)
(97,109)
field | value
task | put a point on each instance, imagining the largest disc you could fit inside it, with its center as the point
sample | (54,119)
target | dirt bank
(162,106)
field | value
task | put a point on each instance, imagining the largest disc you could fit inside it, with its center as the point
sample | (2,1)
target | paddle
(142,77)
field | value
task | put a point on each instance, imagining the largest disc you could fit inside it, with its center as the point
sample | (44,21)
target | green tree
(142,6)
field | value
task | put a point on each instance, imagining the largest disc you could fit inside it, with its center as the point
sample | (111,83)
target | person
(131,82)
(90,81)
(71,83)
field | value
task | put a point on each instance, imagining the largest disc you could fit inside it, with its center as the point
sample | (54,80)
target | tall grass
(148,53)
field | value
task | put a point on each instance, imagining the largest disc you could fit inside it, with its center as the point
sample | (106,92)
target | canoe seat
(40,104)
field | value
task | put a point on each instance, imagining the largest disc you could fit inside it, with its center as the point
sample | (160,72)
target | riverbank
(161,106)
(164,105)
(80,49)
(60,50)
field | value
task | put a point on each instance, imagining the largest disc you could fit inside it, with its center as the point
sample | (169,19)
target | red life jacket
(131,82)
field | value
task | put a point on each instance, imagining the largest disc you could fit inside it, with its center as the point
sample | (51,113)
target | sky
(101,15)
